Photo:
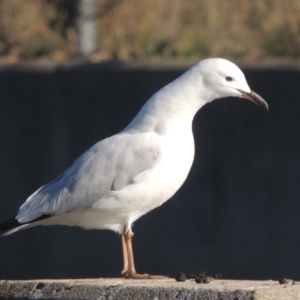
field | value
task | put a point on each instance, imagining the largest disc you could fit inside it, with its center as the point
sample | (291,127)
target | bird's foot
(135,275)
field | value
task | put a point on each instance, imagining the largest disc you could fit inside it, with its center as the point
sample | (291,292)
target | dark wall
(237,214)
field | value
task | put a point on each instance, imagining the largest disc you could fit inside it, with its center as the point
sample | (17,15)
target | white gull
(123,177)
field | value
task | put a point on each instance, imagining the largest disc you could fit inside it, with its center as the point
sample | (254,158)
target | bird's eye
(228,78)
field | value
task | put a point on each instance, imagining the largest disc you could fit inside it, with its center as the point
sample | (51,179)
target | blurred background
(74,72)
(135,30)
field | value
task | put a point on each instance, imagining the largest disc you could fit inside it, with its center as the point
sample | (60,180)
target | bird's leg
(128,239)
(129,269)
(125,254)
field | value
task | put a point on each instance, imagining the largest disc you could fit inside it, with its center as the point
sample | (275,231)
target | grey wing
(109,165)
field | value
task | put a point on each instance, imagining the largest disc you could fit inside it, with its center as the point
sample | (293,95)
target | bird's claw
(128,275)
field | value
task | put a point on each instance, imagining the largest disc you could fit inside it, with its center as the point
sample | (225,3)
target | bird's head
(224,79)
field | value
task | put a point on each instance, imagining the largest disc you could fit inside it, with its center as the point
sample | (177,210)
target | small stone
(287,281)
(180,277)
(192,276)
(202,278)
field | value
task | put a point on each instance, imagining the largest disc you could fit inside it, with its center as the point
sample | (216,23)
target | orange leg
(125,254)
(129,269)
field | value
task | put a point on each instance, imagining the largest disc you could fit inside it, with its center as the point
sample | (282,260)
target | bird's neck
(172,108)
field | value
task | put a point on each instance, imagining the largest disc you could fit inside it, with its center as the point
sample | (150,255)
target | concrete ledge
(146,289)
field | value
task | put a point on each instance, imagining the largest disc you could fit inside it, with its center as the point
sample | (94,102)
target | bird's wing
(109,165)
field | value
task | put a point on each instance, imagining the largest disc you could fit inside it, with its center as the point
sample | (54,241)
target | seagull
(125,176)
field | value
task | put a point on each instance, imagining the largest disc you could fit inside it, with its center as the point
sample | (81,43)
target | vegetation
(134,30)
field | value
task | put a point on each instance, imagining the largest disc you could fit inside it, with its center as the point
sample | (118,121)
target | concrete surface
(147,289)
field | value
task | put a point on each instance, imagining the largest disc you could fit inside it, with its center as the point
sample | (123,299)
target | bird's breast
(178,157)
(173,166)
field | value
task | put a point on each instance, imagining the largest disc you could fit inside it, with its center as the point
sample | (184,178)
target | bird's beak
(255,98)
